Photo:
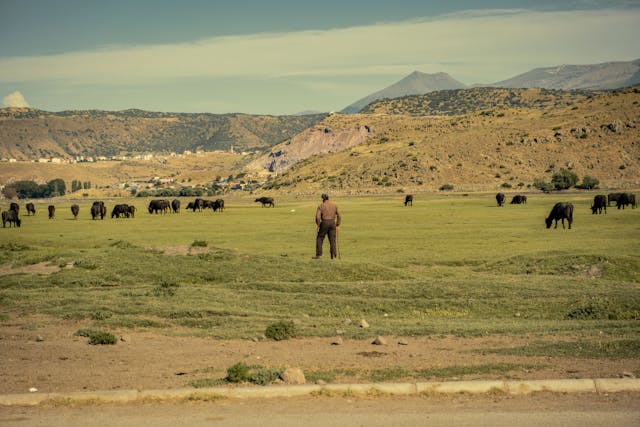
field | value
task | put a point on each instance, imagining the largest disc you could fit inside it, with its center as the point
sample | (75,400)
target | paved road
(546,409)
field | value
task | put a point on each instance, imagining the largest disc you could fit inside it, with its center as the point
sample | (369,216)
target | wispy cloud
(473,46)
(483,42)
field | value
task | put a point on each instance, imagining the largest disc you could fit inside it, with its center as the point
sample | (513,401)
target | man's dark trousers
(327,227)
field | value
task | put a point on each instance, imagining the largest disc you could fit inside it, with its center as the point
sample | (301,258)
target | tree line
(27,189)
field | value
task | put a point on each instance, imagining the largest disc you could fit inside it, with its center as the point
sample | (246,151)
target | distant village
(157,185)
(144,156)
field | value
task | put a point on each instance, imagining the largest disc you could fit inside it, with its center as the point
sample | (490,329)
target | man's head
(325,196)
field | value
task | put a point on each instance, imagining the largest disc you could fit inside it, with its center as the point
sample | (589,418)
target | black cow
(518,199)
(599,203)
(52,211)
(613,197)
(190,205)
(215,205)
(500,199)
(98,209)
(132,211)
(626,199)
(13,206)
(266,201)
(31,209)
(175,205)
(11,217)
(120,211)
(75,209)
(159,205)
(408,200)
(560,211)
(198,204)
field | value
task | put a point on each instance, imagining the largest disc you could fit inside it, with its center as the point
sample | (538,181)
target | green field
(451,264)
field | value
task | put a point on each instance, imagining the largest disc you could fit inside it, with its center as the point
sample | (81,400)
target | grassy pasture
(451,264)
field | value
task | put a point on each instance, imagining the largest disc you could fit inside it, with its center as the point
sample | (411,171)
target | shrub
(264,375)
(97,337)
(588,183)
(564,179)
(238,373)
(282,330)
(199,243)
(594,308)
(542,185)
(446,187)
(165,289)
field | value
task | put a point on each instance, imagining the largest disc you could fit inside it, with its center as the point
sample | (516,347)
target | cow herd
(560,212)
(564,210)
(98,209)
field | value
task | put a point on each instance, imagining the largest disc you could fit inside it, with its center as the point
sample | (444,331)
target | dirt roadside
(44,354)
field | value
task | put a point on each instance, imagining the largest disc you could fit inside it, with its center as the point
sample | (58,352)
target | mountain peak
(416,83)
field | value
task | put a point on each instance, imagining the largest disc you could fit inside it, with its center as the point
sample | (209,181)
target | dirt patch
(44,353)
(41,268)
(184,250)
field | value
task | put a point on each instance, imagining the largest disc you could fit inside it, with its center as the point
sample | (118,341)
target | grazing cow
(599,203)
(190,205)
(408,200)
(198,204)
(13,206)
(75,209)
(11,217)
(613,197)
(52,211)
(215,205)
(500,199)
(159,206)
(175,205)
(31,209)
(266,201)
(626,199)
(518,199)
(119,211)
(132,211)
(98,209)
(560,211)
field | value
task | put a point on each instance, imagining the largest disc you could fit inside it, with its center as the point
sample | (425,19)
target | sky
(286,56)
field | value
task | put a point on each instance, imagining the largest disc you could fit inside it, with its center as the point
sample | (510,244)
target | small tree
(542,185)
(564,179)
(589,182)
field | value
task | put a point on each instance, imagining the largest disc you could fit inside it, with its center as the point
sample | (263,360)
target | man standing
(327,220)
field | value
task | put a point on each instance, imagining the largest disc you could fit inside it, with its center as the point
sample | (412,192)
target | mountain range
(604,76)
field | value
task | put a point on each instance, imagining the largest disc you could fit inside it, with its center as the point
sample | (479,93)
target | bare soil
(43,353)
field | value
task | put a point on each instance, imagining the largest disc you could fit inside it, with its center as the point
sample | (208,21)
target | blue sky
(282,56)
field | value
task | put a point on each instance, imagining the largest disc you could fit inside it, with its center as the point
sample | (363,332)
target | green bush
(264,375)
(97,337)
(282,330)
(588,183)
(564,179)
(199,243)
(238,373)
(446,187)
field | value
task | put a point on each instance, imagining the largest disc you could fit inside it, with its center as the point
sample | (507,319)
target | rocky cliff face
(333,135)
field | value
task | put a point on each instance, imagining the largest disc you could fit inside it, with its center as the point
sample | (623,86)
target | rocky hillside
(414,83)
(31,134)
(523,135)
(456,102)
